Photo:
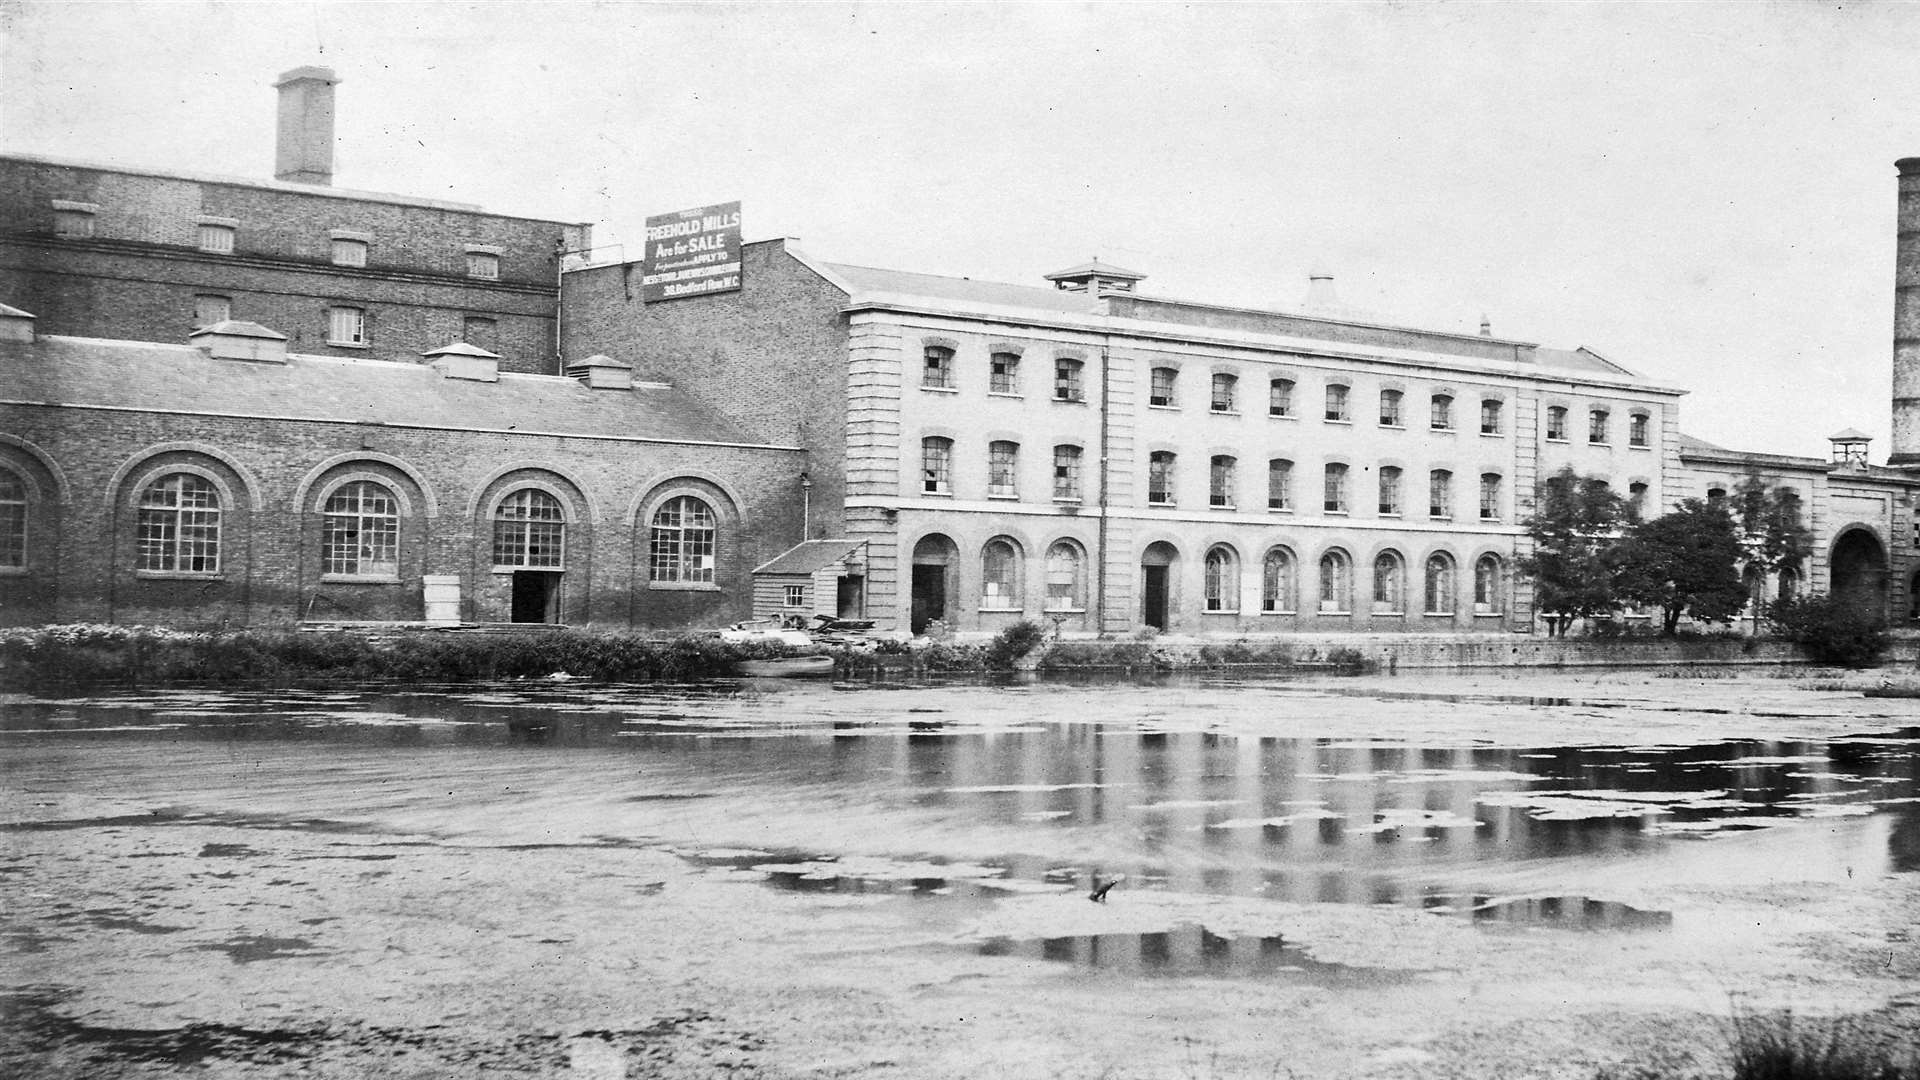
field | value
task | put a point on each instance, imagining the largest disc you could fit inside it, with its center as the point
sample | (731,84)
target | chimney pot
(303,153)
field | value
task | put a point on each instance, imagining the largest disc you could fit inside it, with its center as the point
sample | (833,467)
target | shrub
(1352,660)
(1783,1047)
(1831,629)
(1012,643)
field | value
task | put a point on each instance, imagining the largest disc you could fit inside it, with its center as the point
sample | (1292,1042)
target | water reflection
(1188,951)
(1045,799)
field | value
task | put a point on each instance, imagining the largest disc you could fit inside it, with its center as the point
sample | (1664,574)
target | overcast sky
(1702,192)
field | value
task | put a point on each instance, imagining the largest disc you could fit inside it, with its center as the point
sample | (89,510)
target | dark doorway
(1156,584)
(850,601)
(933,564)
(536,596)
(1860,571)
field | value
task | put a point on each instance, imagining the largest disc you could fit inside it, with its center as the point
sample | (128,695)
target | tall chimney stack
(1906,319)
(304,151)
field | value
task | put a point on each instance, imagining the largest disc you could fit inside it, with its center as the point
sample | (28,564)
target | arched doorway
(1859,565)
(935,559)
(1156,583)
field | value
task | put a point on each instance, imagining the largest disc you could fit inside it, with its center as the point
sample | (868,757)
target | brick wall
(771,357)
(85,467)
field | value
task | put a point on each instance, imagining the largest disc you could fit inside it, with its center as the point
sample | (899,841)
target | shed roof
(149,377)
(809,556)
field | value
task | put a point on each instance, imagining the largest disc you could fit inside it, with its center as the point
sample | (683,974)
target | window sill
(941,389)
(1223,412)
(1151,505)
(1436,614)
(1004,496)
(1341,422)
(1066,500)
(1221,506)
(1334,513)
(1221,611)
(1498,614)
(360,579)
(1439,517)
(1070,401)
(1443,430)
(1390,514)
(1162,408)
(179,575)
(1493,434)
(348,345)
(1601,445)
(529,569)
(1279,509)
(1014,394)
(682,586)
(1325,612)
(1014,610)
(1378,614)
(1562,442)
(1392,427)
(1064,611)
(937,494)
(1484,520)
(1639,446)
(1281,416)
(1287,611)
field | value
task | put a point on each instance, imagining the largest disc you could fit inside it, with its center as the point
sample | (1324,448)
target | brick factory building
(253,402)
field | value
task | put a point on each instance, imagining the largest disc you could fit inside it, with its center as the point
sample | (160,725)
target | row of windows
(1003,459)
(76,220)
(1224,397)
(346,326)
(1002,578)
(179,526)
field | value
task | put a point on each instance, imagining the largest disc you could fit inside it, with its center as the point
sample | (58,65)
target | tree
(1575,565)
(1772,534)
(1686,562)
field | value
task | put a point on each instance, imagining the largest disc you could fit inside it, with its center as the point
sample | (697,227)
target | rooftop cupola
(235,339)
(1095,277)
(303,152)
(15,325)
(1850,447)
(463,361)
(602,372)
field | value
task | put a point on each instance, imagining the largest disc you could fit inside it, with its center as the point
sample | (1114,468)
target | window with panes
(1280,397)
(1160,478)
(1220,481)
(1335,500)
(1277,581)
(1224,387)
(681,542)
(936,465)
(1556,423)
(1066,472)
(360,531)
(1390,490)
(1597,420)
(1390,408)
(1161,382)
(1336,582)
(1490,497)
(1222,580)
(1066,380)
(937,374)
(1637,433)
(1389,583)
(1337,403)
(13,521)
(178,525)
(1003,462)
(1279,484)
(529,531)
(1441,415)
(1490,417)
(1065,577)
(346,326)
(216,239)
(1439,582)
(1003,373)
(1440,494)
(1000,575)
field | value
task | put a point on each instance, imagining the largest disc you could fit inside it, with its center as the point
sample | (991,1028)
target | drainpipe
(1100,559)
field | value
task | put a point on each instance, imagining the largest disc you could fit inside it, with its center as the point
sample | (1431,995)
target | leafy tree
(1773,536)
(1831,629)
(1685,562)
(1575,565)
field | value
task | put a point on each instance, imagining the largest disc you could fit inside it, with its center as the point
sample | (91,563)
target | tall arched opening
(935,562)
(1156,583)
(1859,565)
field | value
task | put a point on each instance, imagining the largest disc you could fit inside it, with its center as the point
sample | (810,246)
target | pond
(1254,831)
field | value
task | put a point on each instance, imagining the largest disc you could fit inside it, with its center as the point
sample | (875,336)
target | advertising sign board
(691,253)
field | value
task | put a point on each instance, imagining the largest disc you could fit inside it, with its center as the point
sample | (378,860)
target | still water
(1507,810)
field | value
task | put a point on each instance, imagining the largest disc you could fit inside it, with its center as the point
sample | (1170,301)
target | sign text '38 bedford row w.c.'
(691,253)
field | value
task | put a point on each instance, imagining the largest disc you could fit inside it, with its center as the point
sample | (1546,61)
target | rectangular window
(1442,417)
(1220,477)
(208,310)
(1002,467)
(1337,403)
(1336,493)
(1637,431)
(72,219)
(1440,494)
(1490,417)
(1389,408)
(1160,478)
(1223,388)
(937,373)
(349,252)
(1389,491)
(1279,484)
(1066,473)
(1066,380)
(796,596)
(1280,397)
(483,264)
(1490,497)
(1597,427)
(217,239)
(346,326)
(936,466)
(1160,384)
(1005,373)
(1557,423)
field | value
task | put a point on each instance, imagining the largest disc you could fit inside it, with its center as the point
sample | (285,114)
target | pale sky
(1704,192)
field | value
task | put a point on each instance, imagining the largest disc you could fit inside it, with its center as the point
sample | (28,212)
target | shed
(814,577)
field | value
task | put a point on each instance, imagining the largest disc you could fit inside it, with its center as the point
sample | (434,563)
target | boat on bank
(788,667)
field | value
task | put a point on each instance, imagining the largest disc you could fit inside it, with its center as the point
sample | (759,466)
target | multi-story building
(1110,460)
(104,251)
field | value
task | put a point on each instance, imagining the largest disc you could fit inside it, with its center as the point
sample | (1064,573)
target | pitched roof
(808,556)
(151,377)
(962,290)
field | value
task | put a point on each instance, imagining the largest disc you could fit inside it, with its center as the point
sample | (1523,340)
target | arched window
(1597,433)
(1390,490)
(1160,478)
(1000,575)
(680,543)
(1441,416)
(1440,587)
(1490,416)
(1279,484)
(179,525)
(1066,577)
(1440,494)
(1221,477)
(1278,589)
(530,531)
(1486,585)
(1224,387)
(1280,397)
(1161,384)
(1789,583)
(1389,584)
(1223,579)
(360,531)
(1637,431)
(936,465)
(13,521)
(1556,423)
(1336,582)
(1337,404)
(1754,580)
